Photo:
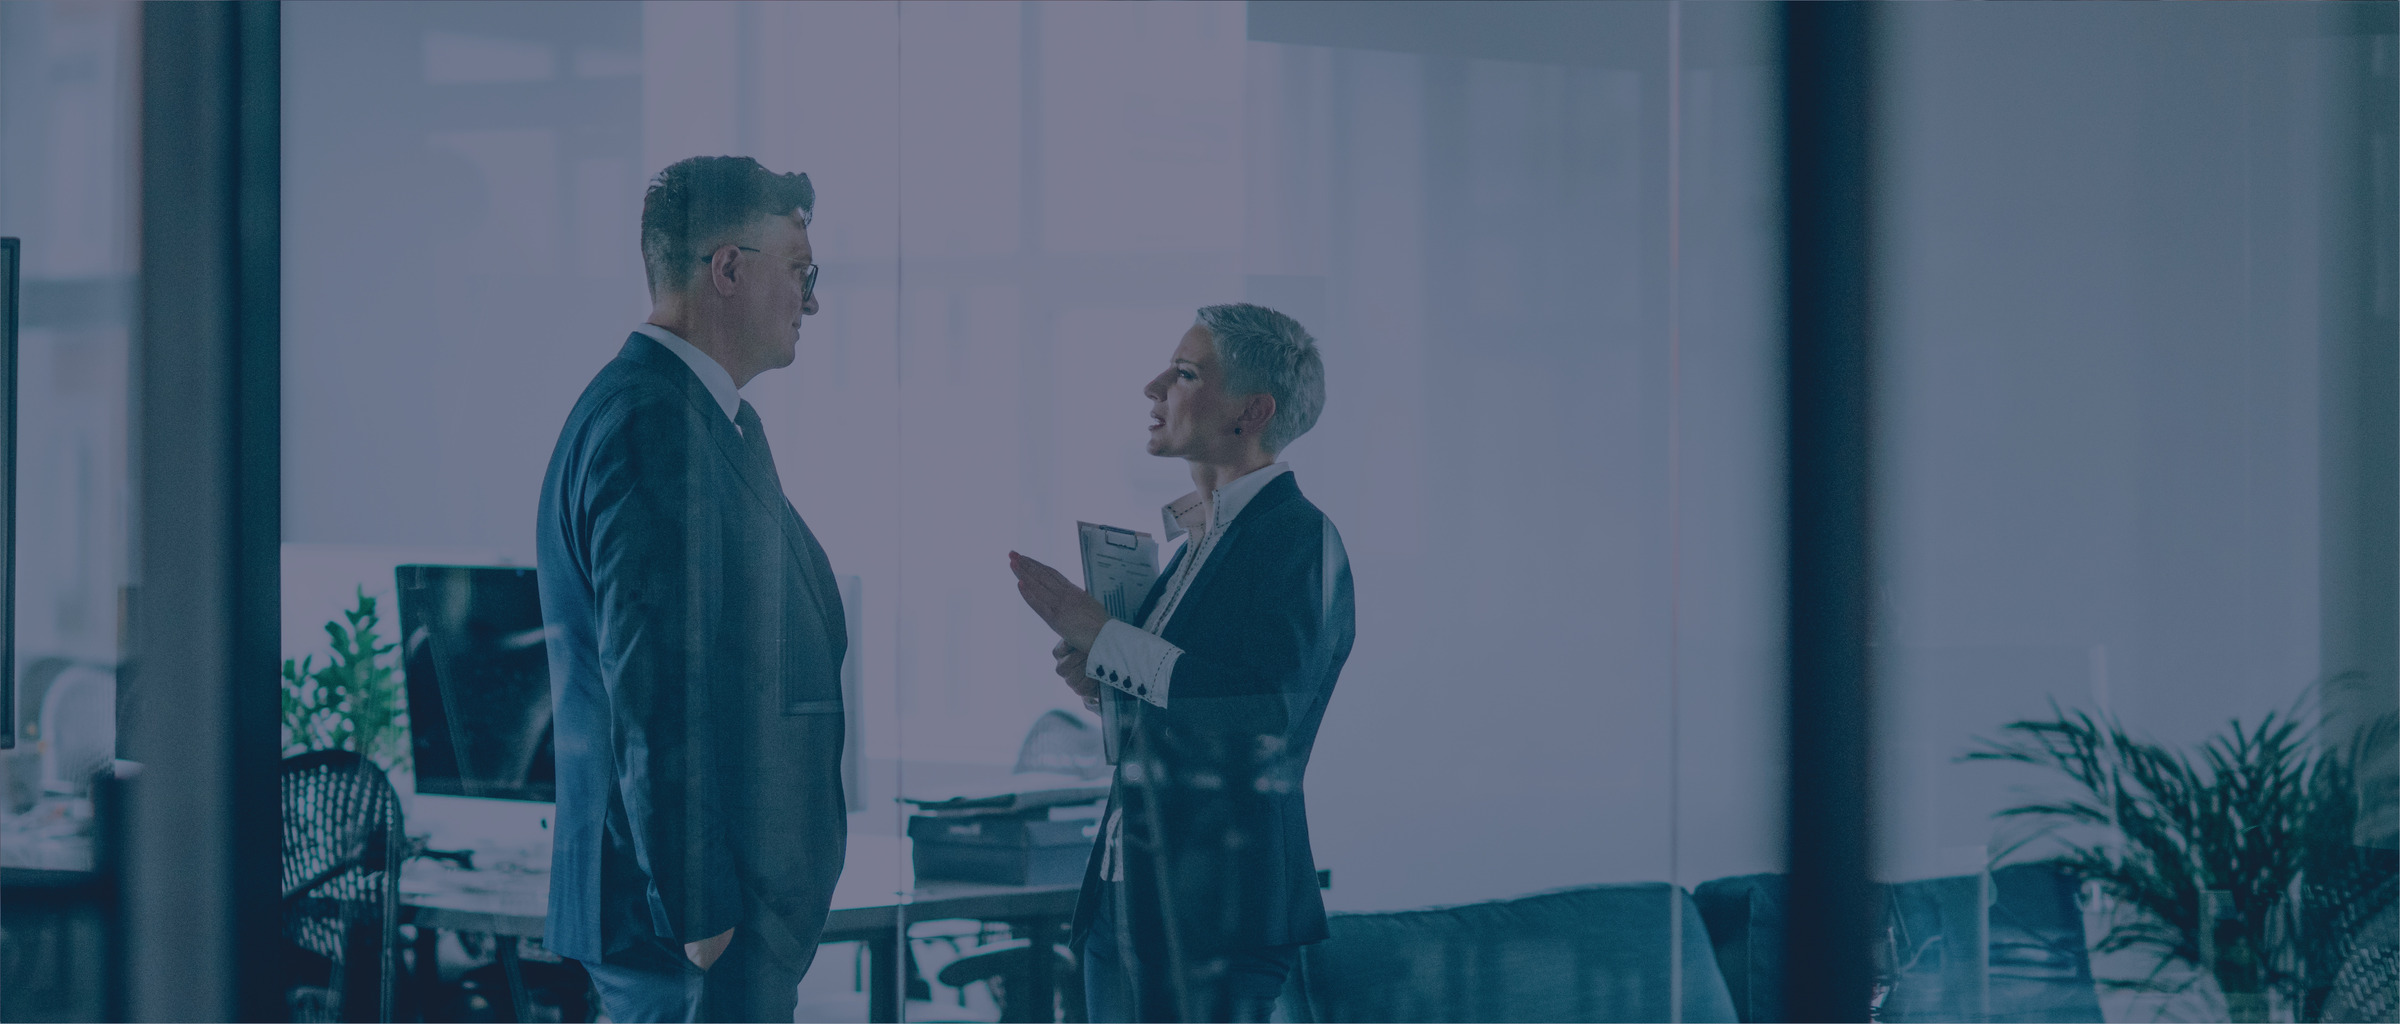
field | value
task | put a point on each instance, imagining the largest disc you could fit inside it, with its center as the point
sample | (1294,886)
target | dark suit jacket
(1215,828)
(696,641)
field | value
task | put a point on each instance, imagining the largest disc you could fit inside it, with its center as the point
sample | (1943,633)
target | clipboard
(1119,565)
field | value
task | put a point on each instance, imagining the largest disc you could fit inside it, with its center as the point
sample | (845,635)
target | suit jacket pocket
(811,686)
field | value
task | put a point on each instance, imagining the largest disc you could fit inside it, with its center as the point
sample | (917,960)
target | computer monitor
(472,646)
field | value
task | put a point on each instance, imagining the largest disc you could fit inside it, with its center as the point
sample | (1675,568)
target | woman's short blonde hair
(1264,351)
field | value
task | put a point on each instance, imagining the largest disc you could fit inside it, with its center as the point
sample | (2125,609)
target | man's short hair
(1262,350)
(698,204)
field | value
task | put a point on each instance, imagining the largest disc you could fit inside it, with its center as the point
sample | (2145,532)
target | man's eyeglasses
(807,271)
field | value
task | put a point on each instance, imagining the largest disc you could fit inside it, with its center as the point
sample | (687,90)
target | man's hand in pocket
(706,951)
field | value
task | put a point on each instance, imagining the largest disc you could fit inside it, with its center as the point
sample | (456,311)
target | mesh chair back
(341,880)
(1062,743)
(2357,945)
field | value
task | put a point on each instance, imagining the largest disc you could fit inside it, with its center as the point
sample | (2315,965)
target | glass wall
(68,122)
(68,196)
(2132,458)
(1536,248)
(2139,466)
(2137,477)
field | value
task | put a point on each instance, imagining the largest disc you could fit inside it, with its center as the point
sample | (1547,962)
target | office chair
(996,962)
(1062,744)
(33,687)
(79,728)
(341,887)
(1057,743)
(2359,953)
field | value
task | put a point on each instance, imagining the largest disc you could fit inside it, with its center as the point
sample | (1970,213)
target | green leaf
(2258,812)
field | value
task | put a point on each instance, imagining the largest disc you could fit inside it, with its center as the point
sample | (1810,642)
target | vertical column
(8,492)
(1827,57)
(202,849)
(2359,441)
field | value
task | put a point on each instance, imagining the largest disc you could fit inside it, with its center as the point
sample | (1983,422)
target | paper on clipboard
(1118,567)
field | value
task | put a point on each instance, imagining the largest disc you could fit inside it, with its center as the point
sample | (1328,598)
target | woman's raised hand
(1069,612)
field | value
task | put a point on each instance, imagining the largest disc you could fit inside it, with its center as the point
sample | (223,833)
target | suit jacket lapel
(821,584)
(1275,493)
(798,539)
(720,429)
(763,487)
(1158,587)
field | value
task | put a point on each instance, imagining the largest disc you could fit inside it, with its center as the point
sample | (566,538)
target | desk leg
(883,977)
(518,1001)
(1034,997)
(429,1004)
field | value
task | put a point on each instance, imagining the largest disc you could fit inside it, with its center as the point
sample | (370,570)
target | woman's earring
(1237,431)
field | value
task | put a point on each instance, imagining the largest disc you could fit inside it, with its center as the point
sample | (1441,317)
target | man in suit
(1201,887)
(695,631)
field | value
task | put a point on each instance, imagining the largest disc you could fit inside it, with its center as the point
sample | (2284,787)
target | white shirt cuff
(1133,660)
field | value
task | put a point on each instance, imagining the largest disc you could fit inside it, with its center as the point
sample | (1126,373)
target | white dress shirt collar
(711,374)
(1186,514)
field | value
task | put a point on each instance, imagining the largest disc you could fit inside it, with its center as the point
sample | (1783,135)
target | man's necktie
(754,441)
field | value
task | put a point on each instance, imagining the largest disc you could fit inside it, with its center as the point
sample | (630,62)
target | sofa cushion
(1597,953)
(2035,966)
(1744,917)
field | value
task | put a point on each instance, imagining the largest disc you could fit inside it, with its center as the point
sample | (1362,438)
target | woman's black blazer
(1216,827)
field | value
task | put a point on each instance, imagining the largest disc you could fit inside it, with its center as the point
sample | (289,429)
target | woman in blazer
(1201,888)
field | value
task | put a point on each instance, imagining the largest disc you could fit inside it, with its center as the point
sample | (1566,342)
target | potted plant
(355,701)
(2232,860)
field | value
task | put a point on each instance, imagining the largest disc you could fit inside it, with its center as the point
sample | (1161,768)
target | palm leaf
(2252,812)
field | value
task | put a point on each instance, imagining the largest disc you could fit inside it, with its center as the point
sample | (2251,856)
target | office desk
(877,893)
